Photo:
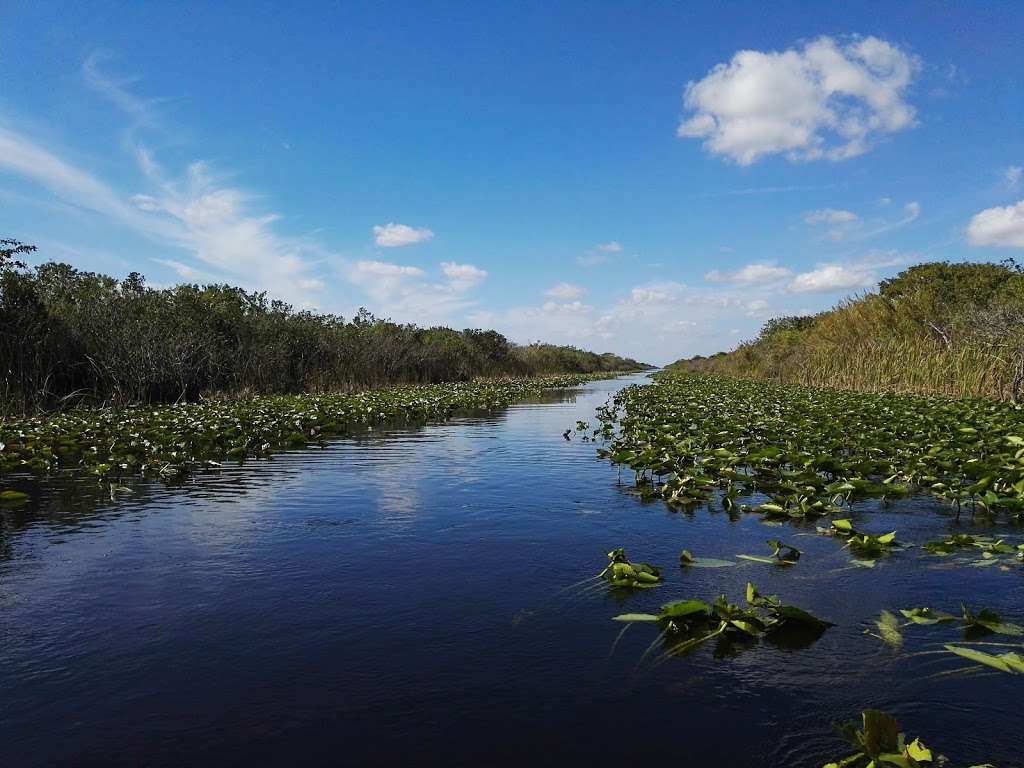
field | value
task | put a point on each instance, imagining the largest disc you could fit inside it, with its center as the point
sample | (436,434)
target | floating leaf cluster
(620,572)
(687,623)
(167,440)
(879,743)
(692,438)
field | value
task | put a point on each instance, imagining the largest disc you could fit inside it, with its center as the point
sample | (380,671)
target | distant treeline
(69,337)
(936,328)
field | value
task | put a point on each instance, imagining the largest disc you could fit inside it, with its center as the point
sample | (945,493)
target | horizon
(622,188)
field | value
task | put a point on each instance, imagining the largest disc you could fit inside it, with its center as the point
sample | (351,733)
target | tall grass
(959,333)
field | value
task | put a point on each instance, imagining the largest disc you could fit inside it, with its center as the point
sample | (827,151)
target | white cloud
(194,211)
(830,216)
(407,294)
(656,293)
(832,277)
(396,235)
(566,308)
(1003,227)
(591,259)
(756,308)
(385,270)
(599,254)
(462,277)
(566,291)
(822,100)
(751,274)
(1012,175)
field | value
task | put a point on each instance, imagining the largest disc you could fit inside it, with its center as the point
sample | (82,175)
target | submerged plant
(782,554)
(687,560)
(988,622)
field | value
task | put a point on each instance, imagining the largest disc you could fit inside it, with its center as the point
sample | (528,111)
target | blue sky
(655,179)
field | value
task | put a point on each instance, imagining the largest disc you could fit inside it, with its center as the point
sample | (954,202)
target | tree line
(70,337)
(935,328)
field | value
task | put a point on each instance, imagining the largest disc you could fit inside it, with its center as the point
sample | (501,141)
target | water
(396,599)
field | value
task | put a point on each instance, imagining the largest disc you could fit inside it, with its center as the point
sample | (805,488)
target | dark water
(396,600)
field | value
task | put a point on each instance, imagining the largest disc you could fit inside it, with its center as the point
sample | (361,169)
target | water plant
(687,560)
(879,742)
(620,572)
(691,439)
(1010,662)
(685,624)
(168,440)
(782,554)
(986,621)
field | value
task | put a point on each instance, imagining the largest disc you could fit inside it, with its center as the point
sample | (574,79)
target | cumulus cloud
(396,235)
(462,277)
(566,291)
(1002,227)
(832,277)
(656,293)
(821,100)
(751,274)
(830,216)
(408,294)
(613,247)
(1012,175)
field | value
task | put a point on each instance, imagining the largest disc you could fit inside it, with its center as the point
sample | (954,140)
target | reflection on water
(397,598)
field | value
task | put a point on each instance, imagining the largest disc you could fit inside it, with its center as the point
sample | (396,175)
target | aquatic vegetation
(1010,662)
(687,560)
(692,439)
(13,497)
(986,621)
(782,554)
(951,544)
(926,616)
(685,624)
(168,440)
(620,572)
(889,629)
(878,742)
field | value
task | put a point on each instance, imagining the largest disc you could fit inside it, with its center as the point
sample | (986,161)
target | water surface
(396,599)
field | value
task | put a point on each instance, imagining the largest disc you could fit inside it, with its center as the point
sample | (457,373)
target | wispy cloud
(216,223)
(566,291)
(751,274)
(599,254)
(1012,175)
(764,190)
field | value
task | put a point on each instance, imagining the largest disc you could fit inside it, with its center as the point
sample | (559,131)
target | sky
(655,179)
